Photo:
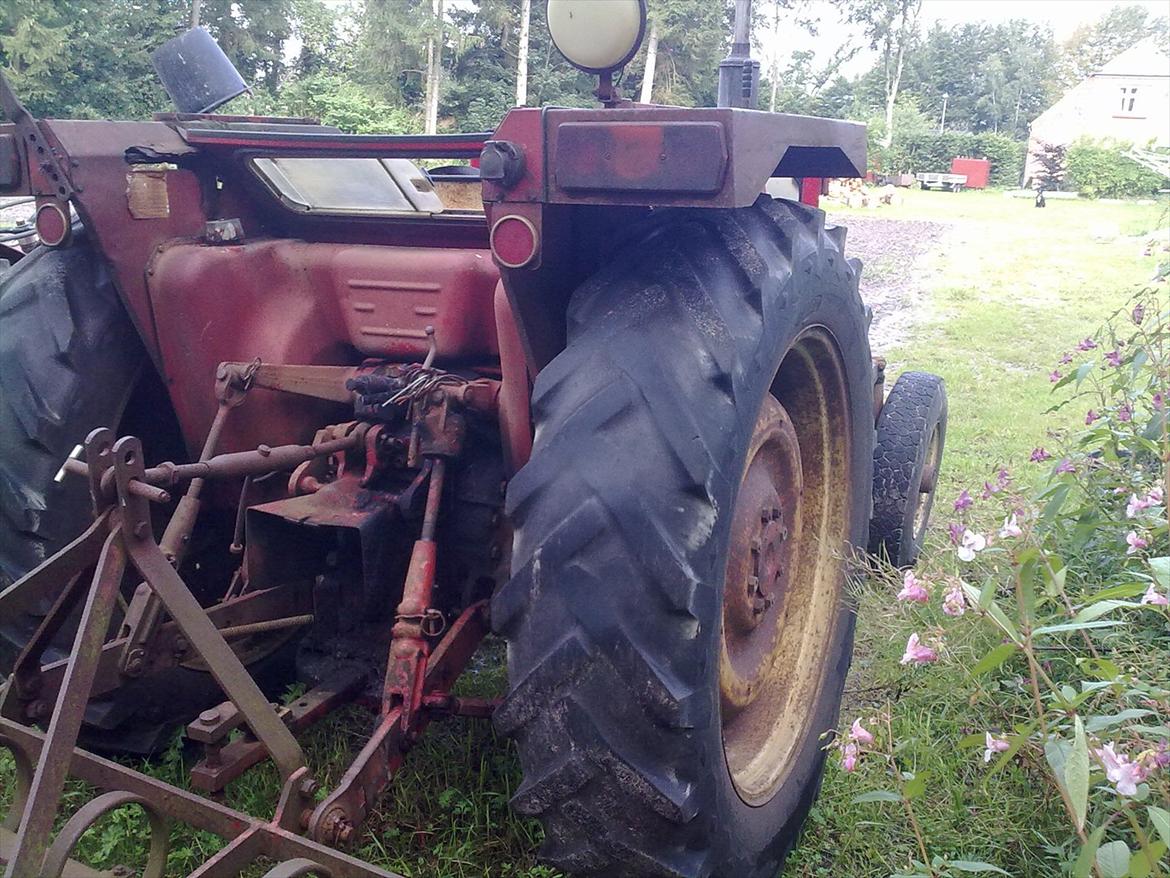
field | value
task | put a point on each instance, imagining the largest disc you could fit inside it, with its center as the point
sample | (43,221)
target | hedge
(1102,170)
(932,152)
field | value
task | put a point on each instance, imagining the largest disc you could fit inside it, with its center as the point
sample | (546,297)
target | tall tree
(522,54)
(891,26)
(434,67)
(647,95)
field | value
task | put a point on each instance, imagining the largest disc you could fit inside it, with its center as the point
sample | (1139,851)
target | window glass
(334,184)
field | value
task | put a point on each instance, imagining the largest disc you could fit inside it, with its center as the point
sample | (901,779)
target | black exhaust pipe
(196,73)
(739,75)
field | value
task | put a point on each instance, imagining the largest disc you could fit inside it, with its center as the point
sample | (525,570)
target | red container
(977,170)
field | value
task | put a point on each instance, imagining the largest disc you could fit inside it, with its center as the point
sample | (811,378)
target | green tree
(1092,46)
(75,59)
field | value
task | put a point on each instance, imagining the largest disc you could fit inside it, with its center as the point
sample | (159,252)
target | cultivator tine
(58,856)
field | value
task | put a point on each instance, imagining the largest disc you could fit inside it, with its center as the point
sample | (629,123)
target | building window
(1128,96)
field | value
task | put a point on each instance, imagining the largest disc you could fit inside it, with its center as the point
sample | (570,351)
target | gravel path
(898,258)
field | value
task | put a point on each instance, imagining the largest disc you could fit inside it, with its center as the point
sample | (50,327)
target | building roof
(1150,57)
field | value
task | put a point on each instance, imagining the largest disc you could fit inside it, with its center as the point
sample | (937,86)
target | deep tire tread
(598,706)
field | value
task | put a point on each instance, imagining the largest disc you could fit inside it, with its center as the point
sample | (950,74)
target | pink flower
(1139,313)
(989,489)
(1091,416)
(858,733)
(1039,455)
(1011,527)
(971,543)
(1054,376)
(1125,413)
(1162,754)
(1136,504)
(1002,478)
(1087,345)
(956,532)
(1136,543)
(1065,359)
(964,501)
(1153,598)
(1065,466)
(913,589)
(1155,496)
(992,746)
(917,653)
(1121,772)
(1113,358)
(954,601)
(1159,402)
(850,754)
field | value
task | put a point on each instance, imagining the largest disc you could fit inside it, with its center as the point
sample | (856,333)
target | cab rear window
(350,185)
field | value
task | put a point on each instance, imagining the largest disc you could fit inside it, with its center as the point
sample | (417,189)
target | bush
(339,101)
(930,151)
(1055,626)
(1101,169)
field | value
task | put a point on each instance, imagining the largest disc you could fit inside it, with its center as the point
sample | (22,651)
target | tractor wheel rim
(925,498)
(784,576)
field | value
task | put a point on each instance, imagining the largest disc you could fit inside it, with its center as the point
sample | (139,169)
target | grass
(1013,288)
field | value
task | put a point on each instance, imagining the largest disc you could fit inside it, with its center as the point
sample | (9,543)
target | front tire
(718,365)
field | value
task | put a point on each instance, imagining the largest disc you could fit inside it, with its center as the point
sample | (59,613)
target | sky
(1063,16)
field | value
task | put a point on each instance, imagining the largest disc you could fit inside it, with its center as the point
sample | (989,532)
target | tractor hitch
(164,624)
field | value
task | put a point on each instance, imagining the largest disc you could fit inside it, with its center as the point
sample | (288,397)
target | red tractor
(592,391)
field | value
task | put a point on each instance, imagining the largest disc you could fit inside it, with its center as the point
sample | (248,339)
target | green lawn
(1012,290)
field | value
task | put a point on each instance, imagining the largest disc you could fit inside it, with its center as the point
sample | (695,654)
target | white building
(1126,100)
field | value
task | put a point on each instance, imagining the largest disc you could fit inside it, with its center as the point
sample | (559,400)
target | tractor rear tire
(907,455)
(69,358)
(70,361)
(701,469)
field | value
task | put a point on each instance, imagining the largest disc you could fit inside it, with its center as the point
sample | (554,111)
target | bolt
(309,787)
(344,832)
(140,529)
(495,553)
(209,716)
(264,450)
(38,709)
(180,646)
(136,661)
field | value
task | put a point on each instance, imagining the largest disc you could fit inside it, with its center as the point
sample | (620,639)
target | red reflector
(514,241)
(52,223)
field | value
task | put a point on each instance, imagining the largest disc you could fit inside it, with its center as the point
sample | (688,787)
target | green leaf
(1099,723)
(1144,860)
(876,796)
(996,657)
(1161,569)
(1103,669)
(1113,859)
(975,866)
(1160,817)
(1076,773)
(1077,626)
(1100,608)
(1126,590)
(992,609)
(1082,370)
(1052,507)
(916,785)
(1088,854)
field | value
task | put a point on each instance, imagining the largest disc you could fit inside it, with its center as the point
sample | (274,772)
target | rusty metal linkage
(164,624)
